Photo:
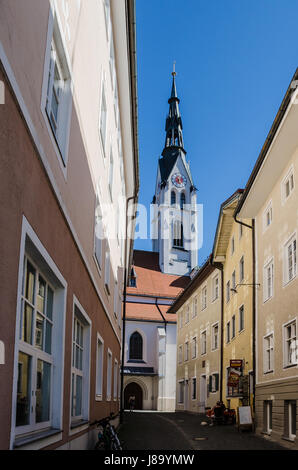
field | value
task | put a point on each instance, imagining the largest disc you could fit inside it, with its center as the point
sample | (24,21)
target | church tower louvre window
(175,219)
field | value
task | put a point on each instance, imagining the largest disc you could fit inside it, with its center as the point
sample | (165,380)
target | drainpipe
(164,320)
(252,227)
(219,266)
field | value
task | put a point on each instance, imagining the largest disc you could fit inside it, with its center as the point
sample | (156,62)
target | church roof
(149,312)
(151,281)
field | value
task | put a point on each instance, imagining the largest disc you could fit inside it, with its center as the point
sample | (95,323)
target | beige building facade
(271,198)
(198,311)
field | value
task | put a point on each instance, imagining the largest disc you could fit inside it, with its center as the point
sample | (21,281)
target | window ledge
(287,438)
(24,440)
(77,424)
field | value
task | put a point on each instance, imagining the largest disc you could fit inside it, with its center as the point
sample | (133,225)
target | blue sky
(234,62)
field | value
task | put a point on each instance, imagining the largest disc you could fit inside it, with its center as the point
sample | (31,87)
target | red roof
(136,311)
(151,281)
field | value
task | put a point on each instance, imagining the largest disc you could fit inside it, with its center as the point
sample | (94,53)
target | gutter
(164,320)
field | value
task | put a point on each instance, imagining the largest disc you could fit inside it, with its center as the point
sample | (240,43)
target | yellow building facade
(198,311)
(233,251)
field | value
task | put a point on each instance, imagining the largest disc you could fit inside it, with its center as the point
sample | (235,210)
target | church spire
(174,136)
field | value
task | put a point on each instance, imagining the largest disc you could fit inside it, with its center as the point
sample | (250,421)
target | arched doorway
(133,389)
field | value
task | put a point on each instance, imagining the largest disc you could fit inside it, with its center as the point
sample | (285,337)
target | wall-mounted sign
(236,363)
(233,378)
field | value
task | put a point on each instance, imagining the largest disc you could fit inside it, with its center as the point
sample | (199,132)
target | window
(195,307)
(290,344)
(241,269)
(98,234)
(109,375)
(178,234)
(58,94)
(228,291)
(107,270)
(228,332)
(233,326)
(268,281)
(115,379)
(99,367)
(35,359)
(180,354)
(215,288)
(133,278)
(186,352)
(288,184)
(240,231)
(241,318)
(215,332)
(267,217)
(194,388)
(136,347)
(103,117)
(268,353)
(181,319)
(194,348)
(187,315)
(232,245)
(233,282)
(234,381)
(290,259)
(181,391)
(80,365)
(213,383)
(204,342)
(173,198)
(204,298)
(182,200)
(290,419)
(267,416)
(111,174)
(107,10)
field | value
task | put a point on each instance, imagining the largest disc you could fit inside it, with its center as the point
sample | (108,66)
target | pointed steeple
(174,136)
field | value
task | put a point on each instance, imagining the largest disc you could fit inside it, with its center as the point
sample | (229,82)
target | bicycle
(107,435)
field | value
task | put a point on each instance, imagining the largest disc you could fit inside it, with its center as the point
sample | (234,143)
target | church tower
(174,224)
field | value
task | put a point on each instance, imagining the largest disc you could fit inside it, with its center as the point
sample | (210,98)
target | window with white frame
(98,234)
(204,342)
(194,348)
(103,117)
(268,280)
(268,353)
(109,375)
(180,354)
(240,231)
(107,270)
(186,351)
(187,315)
(181,319)
(115,379)
(194,388)
(116,298)
(290,267)
(267,416)
(215,287)
(290,411)
(241,318)
(178,238)
(267,217)
(99,367)
(214,383)
(36,356)
(232,245)
(288,184)
(111,173)
(241,269)
(215,335)
(290,344)
(80,366)
(58,95)
(195,307)
(204,298)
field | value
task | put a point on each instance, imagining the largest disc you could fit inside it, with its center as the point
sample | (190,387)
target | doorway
(133,389)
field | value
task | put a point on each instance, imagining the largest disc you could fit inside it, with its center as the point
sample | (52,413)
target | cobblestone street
(183,431)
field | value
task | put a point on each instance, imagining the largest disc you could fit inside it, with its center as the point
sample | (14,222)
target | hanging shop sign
(236,363)
(234,378)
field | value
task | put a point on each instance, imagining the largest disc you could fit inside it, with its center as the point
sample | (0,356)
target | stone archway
(133,389)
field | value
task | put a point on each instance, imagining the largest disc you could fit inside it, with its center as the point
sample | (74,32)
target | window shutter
(210,383)
(216,382)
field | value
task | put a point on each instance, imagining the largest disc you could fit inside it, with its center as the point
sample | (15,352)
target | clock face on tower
(179,180)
